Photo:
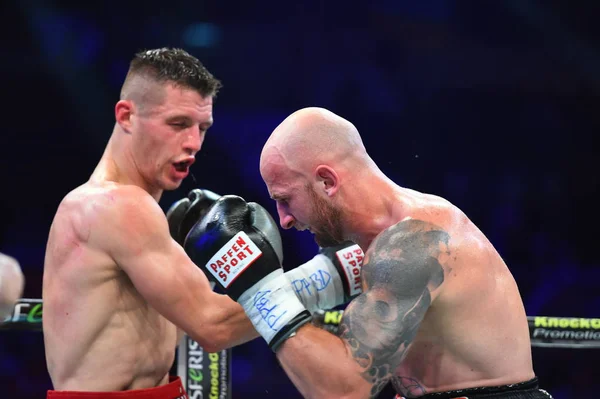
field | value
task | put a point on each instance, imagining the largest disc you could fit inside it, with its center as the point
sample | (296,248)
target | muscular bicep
(135,234)
(162,273)
(401,272)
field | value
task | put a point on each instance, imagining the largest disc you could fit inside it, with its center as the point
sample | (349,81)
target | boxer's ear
(328,179)
(123,112)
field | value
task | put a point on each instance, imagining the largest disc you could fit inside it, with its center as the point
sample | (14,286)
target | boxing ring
(209,374)
(203,374)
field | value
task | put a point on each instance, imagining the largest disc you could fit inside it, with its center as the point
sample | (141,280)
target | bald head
(313,136)
(311,164)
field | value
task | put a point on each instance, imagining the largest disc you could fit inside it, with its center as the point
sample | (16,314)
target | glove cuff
(273,308)
(317,284)
(348,260)
(289,330)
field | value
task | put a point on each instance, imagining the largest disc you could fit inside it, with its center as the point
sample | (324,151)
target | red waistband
(172,390)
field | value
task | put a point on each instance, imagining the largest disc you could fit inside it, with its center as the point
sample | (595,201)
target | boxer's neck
(374,204)
(117,165)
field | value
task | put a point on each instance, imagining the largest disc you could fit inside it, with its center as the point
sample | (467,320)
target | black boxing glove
(183,214)
(238,246)
(329,279)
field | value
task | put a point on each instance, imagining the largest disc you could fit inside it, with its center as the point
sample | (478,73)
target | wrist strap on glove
(273,308)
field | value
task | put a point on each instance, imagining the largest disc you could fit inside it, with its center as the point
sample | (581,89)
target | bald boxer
(116,285)
(440,315)
(12,282)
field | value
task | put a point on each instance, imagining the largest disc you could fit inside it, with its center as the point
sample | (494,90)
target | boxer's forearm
(222,324)
(240,328)
(320,366)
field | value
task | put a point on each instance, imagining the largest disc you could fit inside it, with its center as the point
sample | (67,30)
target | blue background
(492,105)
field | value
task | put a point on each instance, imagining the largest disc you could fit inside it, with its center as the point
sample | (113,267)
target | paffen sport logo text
(233,258)
(351,259)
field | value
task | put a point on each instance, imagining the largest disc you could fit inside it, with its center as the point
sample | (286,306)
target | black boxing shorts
(522,390)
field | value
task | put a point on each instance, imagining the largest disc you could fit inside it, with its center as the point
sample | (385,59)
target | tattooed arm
(400,273)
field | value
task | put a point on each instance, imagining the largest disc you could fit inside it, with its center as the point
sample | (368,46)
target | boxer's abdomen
(99,333)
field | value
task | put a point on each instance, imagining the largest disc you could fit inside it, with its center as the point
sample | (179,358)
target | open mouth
(183,166)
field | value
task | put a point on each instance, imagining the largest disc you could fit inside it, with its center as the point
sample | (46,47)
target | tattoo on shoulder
(401,269)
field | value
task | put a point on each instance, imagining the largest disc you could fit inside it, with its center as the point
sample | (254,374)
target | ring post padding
(544,331)
(26,315)
(564,332)
(203,374)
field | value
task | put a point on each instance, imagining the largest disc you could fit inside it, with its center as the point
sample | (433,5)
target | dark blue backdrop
(492,105)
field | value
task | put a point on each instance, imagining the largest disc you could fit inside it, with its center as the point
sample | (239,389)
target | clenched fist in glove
(186,212)
(329,279)
(238,245)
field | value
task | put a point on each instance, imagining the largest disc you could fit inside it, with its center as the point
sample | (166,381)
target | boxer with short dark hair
(440,314)
(116,284)
(12,282)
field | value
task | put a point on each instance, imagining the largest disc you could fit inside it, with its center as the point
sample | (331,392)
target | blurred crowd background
(492,105)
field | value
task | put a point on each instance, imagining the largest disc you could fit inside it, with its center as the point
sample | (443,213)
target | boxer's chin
(325,240)
(170,184)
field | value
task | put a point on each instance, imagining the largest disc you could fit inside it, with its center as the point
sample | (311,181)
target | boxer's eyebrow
(205,126)
(181,120)
(278,197)
(189,121)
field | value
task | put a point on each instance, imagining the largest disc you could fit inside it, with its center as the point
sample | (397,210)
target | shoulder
(411,235)
(117,200)
(409,255)
(105,194)
(430,207)
(112,210)
(432,212)
(449,218)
